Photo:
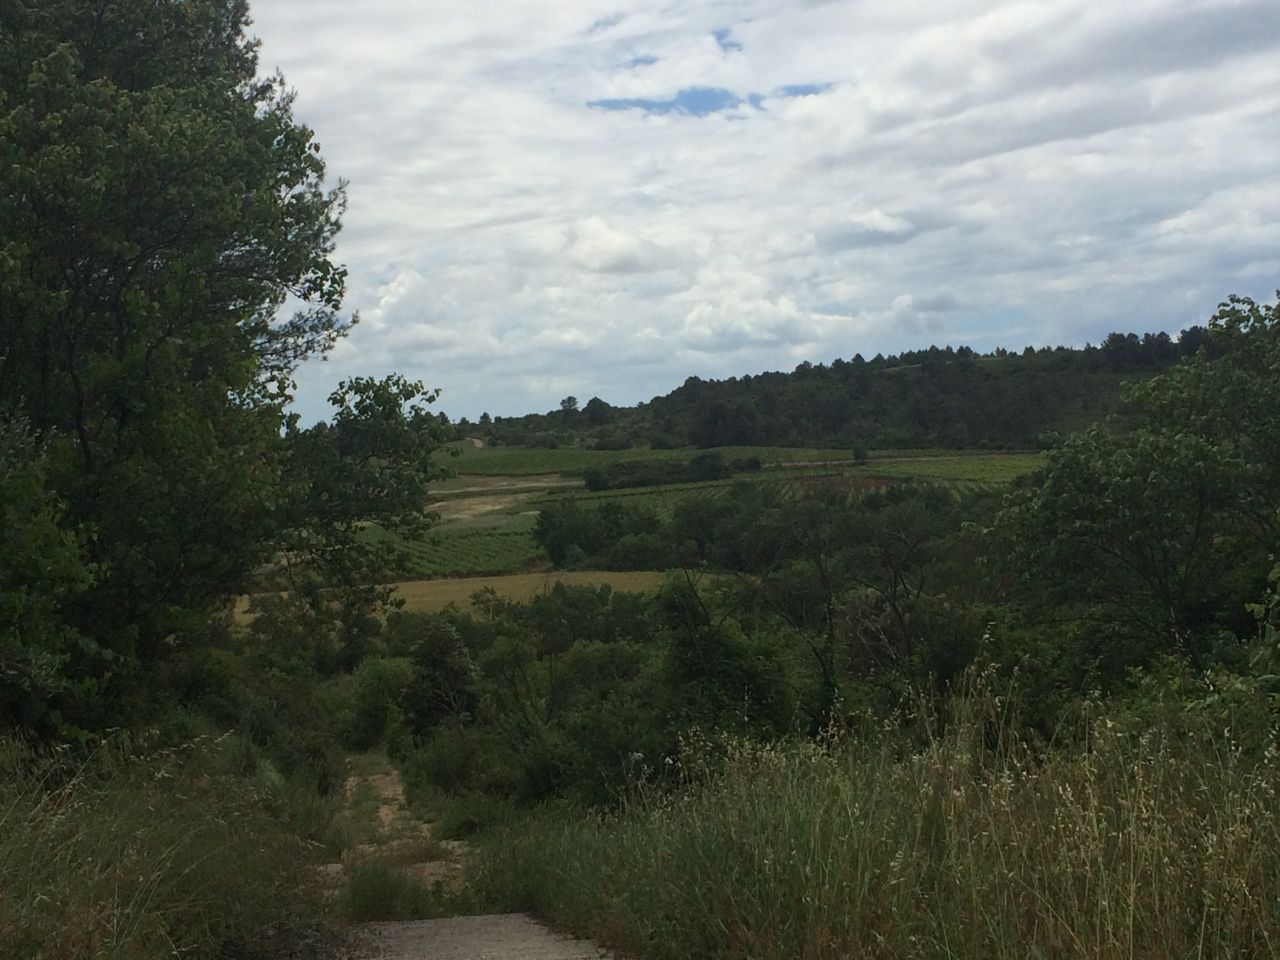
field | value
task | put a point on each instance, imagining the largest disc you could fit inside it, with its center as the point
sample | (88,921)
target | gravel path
(511,936)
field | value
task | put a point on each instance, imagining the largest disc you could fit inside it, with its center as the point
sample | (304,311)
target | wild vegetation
(501,525)
(934,655)
(141,850)
(1142,843)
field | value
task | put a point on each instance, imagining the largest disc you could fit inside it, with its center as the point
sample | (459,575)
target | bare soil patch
(472,508)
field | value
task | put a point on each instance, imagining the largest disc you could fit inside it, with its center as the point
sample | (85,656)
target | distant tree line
(938,397)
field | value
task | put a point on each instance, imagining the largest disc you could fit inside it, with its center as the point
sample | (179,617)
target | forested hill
(939,397)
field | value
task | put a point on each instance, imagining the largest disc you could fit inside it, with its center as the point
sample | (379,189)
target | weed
(136,855)
(963,843)
(377,890)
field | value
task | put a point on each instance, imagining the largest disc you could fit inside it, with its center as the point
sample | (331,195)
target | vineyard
(988,468)
(465,459)
(466,552)
(662,500)
(659,500)
(488,512)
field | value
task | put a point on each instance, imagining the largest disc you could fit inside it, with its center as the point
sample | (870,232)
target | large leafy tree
(160,206)
(40,565)
(1158,523)
(369,464)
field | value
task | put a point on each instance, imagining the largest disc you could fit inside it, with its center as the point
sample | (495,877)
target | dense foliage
(1133,564)
(161,206)
(939,397)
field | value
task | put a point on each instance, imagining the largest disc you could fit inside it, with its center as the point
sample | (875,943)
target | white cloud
(1043,170)
(594,245)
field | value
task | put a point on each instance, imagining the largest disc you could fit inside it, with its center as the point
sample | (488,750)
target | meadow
(201,850)
(486,513)
(972,468)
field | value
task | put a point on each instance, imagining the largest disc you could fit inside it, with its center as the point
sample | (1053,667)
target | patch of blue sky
(605,23)
(643,60)
(724,38)
(801,89)
(704,101)
(694,101)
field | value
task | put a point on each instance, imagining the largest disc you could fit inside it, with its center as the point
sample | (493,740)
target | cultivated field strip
(488,515)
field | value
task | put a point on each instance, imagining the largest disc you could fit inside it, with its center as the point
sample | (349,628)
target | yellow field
(428,596)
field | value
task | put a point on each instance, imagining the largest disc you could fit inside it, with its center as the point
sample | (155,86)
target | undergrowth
(194,851)
(966,842)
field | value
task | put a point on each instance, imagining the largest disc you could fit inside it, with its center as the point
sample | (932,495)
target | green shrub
(450,758)
(371,714)
(43,660)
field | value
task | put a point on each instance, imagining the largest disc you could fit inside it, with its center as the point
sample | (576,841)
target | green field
(661,500)
(497,462)
(469,551)
(487,513)
(979,468)
(465,459)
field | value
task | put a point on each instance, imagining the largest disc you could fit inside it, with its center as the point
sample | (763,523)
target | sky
(604,197)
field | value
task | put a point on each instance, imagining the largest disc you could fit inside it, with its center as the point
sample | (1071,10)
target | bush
(640,551)
(707,466)
(616,441)
(450,758)
(372,714)
(42,567)
(382,891)
(169,853)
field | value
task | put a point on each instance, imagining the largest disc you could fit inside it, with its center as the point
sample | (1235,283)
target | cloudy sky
(602,197)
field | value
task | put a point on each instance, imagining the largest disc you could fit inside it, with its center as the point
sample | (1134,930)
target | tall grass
(376,890)
(174,853)
(963,843)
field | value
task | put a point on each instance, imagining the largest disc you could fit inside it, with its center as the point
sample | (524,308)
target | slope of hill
(939,397)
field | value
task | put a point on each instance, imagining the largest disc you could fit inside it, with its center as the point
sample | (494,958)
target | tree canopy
(166,262)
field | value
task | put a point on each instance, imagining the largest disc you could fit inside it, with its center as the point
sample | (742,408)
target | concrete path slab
(511,936)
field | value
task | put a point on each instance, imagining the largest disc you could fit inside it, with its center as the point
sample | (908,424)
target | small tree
(597,412)
(160,205)
(1158,522)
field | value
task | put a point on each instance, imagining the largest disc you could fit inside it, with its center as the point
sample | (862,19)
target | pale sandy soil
(479,483)
(471,508)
